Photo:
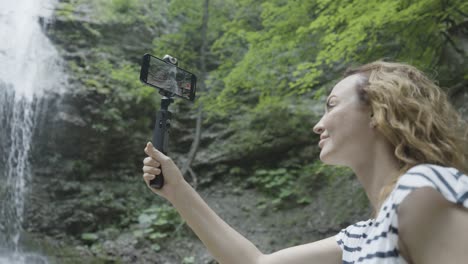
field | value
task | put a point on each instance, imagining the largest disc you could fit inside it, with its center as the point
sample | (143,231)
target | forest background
(246,143)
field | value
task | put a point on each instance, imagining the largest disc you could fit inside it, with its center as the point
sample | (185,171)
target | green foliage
(268,128)
(117,11)
(65,10)
(80,168)
(294,185)
(116,103)
(260,52)
(89,237)
(120,88)
(115,202)
(188,260)
(298,46)
(274,51)
(105,204)
(359,32)
(157,223)
(182,37)
(259,57)
(278,183)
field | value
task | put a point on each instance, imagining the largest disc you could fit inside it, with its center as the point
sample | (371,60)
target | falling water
(29,66)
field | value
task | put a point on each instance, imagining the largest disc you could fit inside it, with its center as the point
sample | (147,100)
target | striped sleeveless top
(376,240)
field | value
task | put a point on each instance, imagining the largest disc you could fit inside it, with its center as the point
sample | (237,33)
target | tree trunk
(201,84)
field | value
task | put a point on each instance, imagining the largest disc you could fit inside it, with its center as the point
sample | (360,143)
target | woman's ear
(372,123)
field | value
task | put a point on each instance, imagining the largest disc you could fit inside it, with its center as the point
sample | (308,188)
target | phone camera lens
(169,58)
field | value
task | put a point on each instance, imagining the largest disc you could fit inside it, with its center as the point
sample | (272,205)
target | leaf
(138,233)
(146,219)
(156,247)
(89,237)
(157,235)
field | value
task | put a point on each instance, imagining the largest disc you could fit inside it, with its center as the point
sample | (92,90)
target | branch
(194,178)
(195,143)
(461,12)
(454,90)
(203,48)
(460,26)
(452,43)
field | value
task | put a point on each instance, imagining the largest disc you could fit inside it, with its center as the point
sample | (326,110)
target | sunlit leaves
(298,45)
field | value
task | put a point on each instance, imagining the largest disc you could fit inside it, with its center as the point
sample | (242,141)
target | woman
(396,130)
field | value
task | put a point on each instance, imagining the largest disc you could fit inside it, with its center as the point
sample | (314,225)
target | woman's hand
(157,162)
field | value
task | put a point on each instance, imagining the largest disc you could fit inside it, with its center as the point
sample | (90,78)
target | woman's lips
(322,141)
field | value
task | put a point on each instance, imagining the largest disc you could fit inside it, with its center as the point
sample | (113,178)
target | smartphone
(168,77)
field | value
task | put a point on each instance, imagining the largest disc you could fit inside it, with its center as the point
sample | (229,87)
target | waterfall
(29,67)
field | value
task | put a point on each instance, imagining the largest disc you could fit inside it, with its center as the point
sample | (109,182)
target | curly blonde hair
(414,114)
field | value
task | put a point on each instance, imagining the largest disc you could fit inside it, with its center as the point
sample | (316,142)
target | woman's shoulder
(448,181)
(434,170)
(428,217)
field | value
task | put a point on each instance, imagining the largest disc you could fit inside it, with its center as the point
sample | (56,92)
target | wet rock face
(6,97)
(73,161)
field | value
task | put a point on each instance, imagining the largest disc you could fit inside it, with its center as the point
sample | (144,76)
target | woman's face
(346,133)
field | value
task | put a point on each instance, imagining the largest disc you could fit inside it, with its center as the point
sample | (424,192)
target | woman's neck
(380,169)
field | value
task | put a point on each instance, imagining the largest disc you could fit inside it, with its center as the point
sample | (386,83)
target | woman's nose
(318,128)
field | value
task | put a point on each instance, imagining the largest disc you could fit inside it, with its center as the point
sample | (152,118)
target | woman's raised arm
(225,244)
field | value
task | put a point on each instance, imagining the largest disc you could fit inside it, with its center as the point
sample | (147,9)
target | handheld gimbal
(170,80)
(163,125)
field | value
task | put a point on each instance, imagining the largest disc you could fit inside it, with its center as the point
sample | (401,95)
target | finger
(148,161)
(151,170)
(154,153)
(148,177)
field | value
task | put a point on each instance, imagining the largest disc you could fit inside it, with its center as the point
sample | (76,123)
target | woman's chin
(327,158)
(324,157)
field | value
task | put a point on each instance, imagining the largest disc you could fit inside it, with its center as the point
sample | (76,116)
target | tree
(299,46)
(190,39)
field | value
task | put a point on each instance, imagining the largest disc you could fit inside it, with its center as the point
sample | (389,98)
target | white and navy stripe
(376,240)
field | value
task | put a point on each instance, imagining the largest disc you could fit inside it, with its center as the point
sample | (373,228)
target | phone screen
(168,77)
